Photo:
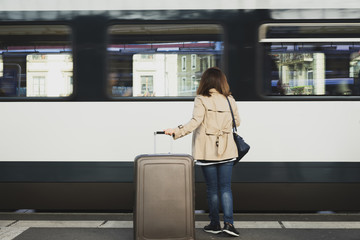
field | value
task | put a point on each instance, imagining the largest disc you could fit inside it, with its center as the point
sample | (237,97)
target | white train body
(69,151)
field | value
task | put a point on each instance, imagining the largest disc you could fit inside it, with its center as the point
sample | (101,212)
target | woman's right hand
(169,131)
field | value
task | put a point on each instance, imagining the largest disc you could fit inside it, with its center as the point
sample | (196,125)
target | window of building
(194,83)
(26,51)
(183,63)
(147,85)
(168,52)
(183,84)
(193,61)
(38,86)
(311,59)
(147,56)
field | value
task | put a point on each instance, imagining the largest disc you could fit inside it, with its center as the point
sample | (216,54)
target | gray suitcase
(164,197)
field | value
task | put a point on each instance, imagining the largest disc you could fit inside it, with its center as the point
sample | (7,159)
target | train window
(161,60)
(35,61)
(311,59)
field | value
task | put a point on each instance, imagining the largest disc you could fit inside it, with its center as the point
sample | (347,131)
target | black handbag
(242,146)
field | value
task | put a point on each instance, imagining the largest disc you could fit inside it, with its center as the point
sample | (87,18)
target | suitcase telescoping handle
(159,132)
(162,133)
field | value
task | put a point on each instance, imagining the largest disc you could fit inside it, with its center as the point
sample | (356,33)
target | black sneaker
(229,229)
(211,228)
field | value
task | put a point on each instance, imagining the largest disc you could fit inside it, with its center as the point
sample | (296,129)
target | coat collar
(213,90)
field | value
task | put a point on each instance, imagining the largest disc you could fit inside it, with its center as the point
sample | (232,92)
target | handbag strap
(232,114)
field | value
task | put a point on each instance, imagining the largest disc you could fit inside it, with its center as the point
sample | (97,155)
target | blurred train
(83,88)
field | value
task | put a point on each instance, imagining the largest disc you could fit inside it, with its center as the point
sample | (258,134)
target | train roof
(80,5)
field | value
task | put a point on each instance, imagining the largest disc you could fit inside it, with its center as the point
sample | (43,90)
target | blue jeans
(218,179)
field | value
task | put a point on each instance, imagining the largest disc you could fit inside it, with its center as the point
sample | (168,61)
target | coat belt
(221,139)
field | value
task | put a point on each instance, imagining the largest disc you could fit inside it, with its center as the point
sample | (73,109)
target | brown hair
(213,78)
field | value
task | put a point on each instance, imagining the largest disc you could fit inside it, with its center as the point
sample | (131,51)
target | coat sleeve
(196,120)
(236,112)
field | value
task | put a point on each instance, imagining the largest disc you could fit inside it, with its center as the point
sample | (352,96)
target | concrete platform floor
(118,226)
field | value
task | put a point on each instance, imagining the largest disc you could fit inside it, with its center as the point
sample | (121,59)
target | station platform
(29,225)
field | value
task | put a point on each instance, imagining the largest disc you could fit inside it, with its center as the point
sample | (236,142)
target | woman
(213,145)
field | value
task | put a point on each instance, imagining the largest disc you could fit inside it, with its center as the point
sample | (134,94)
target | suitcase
(164,197)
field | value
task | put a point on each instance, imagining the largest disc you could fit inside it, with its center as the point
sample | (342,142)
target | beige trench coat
(212,126)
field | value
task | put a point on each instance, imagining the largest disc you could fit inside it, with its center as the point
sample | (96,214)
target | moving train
(84,86)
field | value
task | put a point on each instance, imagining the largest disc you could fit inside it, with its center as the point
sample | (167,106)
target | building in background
(49,75)
(1,67)
(169,74)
